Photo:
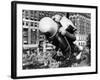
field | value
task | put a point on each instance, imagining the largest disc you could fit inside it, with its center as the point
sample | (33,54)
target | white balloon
(46,24)
(65,22)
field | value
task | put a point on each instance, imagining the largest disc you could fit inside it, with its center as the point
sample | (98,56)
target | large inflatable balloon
(50,30)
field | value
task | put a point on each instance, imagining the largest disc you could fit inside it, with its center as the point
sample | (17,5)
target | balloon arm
(69,35)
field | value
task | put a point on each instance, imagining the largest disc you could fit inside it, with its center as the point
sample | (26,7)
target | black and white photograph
(53,40)
(56,39)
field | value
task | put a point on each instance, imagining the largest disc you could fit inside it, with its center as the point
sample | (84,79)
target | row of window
(29,23)
(37,15)
(81,43)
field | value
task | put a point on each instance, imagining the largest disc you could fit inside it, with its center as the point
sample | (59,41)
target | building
(83,24)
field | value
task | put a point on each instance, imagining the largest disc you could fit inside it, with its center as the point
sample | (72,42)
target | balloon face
(46,24)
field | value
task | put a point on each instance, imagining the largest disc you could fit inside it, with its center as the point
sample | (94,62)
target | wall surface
(5,40)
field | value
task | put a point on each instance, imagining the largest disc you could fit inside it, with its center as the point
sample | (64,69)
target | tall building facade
(83,24)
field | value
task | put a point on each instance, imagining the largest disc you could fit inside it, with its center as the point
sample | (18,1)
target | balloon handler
(59,31)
